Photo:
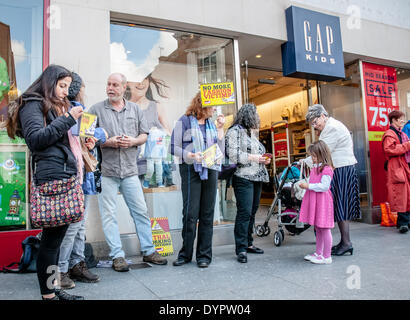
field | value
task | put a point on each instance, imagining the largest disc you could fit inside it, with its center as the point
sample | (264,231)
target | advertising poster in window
(21,48)
(13,186)
(165,69)
(380,92)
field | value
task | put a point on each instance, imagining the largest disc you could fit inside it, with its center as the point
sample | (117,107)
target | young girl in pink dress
(317,204)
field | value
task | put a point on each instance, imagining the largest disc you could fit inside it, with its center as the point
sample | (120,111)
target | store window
(21,52)
(165,69)
(282,104)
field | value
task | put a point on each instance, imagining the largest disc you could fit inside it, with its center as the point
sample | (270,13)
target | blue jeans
(154,165)
(167,172)
(131,190)
(72,247)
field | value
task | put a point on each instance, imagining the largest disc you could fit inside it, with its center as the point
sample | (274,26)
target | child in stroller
(285,207)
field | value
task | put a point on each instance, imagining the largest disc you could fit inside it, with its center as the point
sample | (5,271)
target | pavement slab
(376,270)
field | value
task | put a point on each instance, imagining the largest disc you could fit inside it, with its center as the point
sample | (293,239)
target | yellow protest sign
(216,94)
(161,237)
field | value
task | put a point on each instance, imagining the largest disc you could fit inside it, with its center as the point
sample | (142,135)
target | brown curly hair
(195,108)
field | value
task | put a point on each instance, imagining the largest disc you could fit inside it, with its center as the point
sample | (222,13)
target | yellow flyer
(88,124)
(211,156)
(216,94)
(161,237)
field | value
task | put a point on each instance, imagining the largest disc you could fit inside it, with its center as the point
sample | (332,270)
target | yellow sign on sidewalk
(216,94)
(161,237)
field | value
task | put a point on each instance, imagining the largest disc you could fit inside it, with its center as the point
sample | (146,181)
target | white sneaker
(321,260)
(309,257)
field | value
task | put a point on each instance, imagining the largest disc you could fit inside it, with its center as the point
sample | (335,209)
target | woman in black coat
(42,116)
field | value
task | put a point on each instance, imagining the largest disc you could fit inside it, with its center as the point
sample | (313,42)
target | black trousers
(248,195)
(199,198)
(47,259)
(403,219)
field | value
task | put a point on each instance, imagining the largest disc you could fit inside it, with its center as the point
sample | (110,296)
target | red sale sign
(380,93)
(281,149)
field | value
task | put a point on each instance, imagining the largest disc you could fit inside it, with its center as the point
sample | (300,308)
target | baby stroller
(285,207)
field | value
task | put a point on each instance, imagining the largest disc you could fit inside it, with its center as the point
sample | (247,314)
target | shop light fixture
(258,56)
(266,81)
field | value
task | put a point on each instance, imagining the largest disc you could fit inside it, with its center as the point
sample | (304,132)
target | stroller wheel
(267,231)
(277,238)
(260,230)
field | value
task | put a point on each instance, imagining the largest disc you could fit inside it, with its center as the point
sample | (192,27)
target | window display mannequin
(155,153)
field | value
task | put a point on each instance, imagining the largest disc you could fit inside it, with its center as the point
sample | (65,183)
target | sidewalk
(380,263)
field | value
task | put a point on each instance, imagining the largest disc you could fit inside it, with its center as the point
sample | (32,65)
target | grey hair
(247,117)
(315,111)
(123,78)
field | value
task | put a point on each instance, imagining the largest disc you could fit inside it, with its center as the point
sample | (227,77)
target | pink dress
(317,207)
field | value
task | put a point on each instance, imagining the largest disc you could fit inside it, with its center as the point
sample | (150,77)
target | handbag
(56,203)
(299,192)
(90,162)
(228,169)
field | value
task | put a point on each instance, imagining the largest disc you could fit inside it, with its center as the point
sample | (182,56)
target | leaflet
(211,156)
(85,126)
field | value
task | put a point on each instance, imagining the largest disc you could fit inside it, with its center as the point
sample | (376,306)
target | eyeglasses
(315,121)
(401,120)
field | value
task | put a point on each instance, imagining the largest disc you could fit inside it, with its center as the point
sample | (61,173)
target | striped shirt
(130,121)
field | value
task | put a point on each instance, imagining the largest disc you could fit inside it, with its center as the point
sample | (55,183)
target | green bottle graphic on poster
(14,204)
(12,188)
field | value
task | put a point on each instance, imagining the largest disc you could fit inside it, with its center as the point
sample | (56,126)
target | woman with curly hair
(194,132)
(244,149)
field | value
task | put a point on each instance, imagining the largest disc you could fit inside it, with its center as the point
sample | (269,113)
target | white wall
(82,42)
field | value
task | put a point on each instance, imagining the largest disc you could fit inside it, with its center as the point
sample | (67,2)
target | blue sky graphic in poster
(135,52)
(25,18)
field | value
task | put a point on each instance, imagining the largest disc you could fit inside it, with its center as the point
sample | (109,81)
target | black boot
(62,295)
(53,298)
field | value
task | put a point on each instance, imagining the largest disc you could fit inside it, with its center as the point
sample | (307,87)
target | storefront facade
(182,44)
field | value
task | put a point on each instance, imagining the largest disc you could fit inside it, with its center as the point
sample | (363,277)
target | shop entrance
(282,103)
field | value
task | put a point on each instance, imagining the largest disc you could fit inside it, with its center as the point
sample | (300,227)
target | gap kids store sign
(314,47)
